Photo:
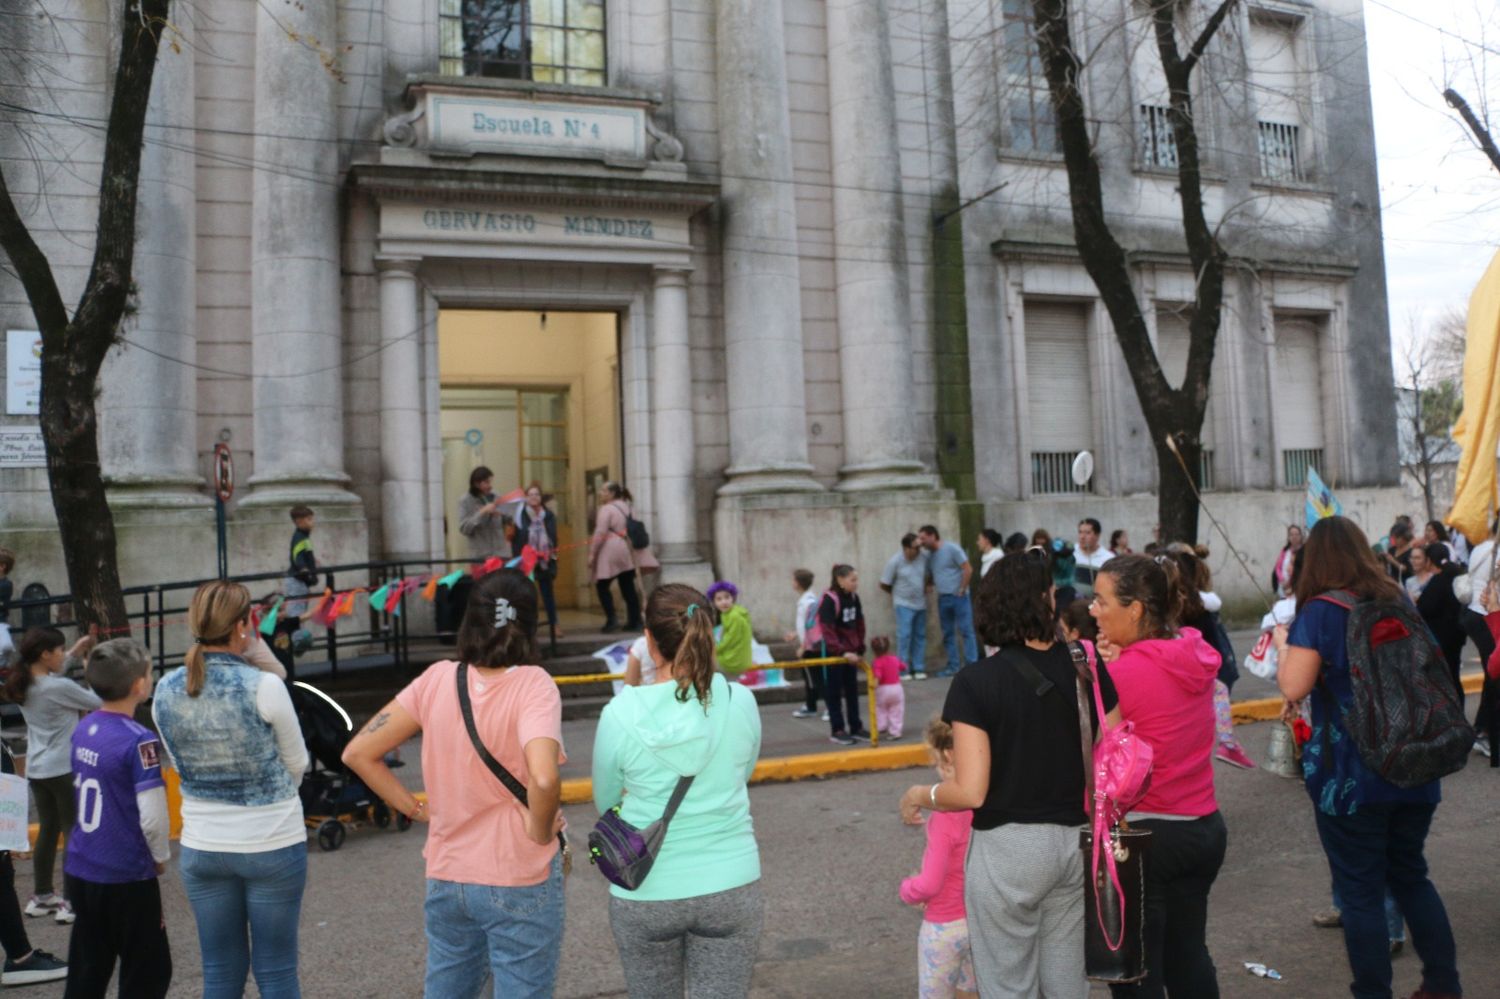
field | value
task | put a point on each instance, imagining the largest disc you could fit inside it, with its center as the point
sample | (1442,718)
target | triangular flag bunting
(451,578)
(268,623)
(429,592)
(377,599)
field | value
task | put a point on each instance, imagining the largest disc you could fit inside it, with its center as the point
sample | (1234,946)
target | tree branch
(108,289)
(1482,136)
(31,265)
(1215,20)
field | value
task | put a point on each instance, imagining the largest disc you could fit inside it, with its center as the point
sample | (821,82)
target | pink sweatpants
(890,708)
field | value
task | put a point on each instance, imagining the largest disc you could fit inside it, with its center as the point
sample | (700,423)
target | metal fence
(157,612)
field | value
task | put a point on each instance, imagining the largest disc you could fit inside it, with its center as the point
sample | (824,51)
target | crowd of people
(1055,643)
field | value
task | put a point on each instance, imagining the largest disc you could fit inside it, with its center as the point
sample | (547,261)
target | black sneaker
(38,967)
(860,736)
(840,739)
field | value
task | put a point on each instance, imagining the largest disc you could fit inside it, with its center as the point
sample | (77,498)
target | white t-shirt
(1480,560)
(648,665)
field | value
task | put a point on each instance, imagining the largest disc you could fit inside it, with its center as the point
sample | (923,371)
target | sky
(1440,198)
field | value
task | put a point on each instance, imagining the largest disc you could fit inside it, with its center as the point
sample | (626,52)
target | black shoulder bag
(497,768)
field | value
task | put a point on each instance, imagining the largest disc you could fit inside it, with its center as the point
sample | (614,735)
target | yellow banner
(1478,429)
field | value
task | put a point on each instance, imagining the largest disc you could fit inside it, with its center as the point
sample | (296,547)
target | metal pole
(223,535)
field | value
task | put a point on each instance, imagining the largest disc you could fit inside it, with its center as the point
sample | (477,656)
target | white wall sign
(22,447)
(462,123)
(23,372)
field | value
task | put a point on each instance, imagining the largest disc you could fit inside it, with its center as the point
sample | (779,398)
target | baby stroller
(332,796)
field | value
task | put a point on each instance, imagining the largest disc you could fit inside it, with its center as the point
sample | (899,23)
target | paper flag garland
(268,623)
(377,599)
(322,604)
(452,578)
(488,566)
(429,592)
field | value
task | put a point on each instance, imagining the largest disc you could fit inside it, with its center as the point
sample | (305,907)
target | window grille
(1158,143)
(1052,472)
(1294,464)
(1281,151)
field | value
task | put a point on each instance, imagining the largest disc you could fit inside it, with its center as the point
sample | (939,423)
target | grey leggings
(701,948)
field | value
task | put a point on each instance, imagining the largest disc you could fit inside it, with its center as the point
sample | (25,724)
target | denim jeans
(232,891)
(911,637)
(512,935)
(957,617)
(1395,926)
(1377,849)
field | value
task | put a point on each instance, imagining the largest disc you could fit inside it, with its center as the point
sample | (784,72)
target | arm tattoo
(377,723)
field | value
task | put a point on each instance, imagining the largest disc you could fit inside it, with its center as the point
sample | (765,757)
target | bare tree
(1174,416)
(74,346)
(1433,398)
(1475,124)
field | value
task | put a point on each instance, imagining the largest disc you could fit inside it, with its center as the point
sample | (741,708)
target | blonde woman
(233,737)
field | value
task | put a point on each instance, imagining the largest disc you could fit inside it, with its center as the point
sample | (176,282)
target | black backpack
(1406,718)
(635,532)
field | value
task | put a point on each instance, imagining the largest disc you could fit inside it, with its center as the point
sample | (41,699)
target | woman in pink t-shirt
(1164,675)
(494,871)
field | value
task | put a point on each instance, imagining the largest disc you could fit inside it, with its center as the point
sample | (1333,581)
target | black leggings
(1479,633)
(12,929)
(627,590)
(54,812)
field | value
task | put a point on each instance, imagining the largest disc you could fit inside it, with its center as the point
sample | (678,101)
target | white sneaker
(825,716)
(1482,746)
(64,912)
(43,905)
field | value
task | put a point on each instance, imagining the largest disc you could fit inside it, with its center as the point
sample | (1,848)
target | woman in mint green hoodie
(693,925)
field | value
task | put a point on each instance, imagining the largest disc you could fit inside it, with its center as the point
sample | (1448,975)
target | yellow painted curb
(578,790)
(1269,708)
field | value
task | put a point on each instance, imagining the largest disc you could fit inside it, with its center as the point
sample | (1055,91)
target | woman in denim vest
(233,737)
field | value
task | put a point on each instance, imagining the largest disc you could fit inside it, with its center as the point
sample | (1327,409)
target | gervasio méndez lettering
(593,225)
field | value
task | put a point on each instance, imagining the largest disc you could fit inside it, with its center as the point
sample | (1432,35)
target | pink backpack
(813,626)
(1117,781)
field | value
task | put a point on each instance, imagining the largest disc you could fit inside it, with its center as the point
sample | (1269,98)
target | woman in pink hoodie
(1164,675)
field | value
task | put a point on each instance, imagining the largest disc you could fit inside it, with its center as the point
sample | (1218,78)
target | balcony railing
(1281,151)
(1294,464)
(1052,472)
(1158,143)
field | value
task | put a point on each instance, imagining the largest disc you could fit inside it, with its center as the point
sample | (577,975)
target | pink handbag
(1116,782)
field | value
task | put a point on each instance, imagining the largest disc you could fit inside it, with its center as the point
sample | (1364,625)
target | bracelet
(932,794)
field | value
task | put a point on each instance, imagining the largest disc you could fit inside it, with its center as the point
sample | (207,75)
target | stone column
(880,437)
(403,479)
(295,316)
(762,288)
(672,430)
(148,426)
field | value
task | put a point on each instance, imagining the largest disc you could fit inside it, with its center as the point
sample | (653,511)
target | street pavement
(833,852)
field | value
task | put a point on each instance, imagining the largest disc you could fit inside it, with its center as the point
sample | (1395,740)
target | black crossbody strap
(1029,672)
(497,768)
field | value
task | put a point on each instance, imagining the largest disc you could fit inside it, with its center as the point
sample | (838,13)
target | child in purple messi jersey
(119,843)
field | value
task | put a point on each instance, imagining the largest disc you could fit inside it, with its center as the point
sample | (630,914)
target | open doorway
(534,396)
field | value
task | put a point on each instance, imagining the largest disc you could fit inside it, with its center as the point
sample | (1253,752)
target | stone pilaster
(148,424)
(762,288)
(295,308)
(403,485)
(870,267)
(676,526)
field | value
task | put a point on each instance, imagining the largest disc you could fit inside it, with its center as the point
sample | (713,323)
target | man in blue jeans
(950,571)
(905,579)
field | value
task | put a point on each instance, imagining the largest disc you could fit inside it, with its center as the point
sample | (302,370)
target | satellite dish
(1083,468)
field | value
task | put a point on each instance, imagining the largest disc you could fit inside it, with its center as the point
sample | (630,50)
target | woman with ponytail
(693,925)
(233,737)
(1164,675)
(494,903)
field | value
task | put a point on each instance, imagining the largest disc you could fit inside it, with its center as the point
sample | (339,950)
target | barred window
(549,41)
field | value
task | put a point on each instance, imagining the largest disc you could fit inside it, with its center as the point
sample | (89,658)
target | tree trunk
(1171,413)
(74,348)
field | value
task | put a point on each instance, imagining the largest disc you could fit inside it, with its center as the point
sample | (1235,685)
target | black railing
(156,609)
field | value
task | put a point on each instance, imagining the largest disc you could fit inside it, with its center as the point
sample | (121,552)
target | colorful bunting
(429,592)
(377,599)
(452,578)
(268,623)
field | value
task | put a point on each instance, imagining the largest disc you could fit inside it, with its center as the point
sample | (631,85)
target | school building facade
(801,274)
